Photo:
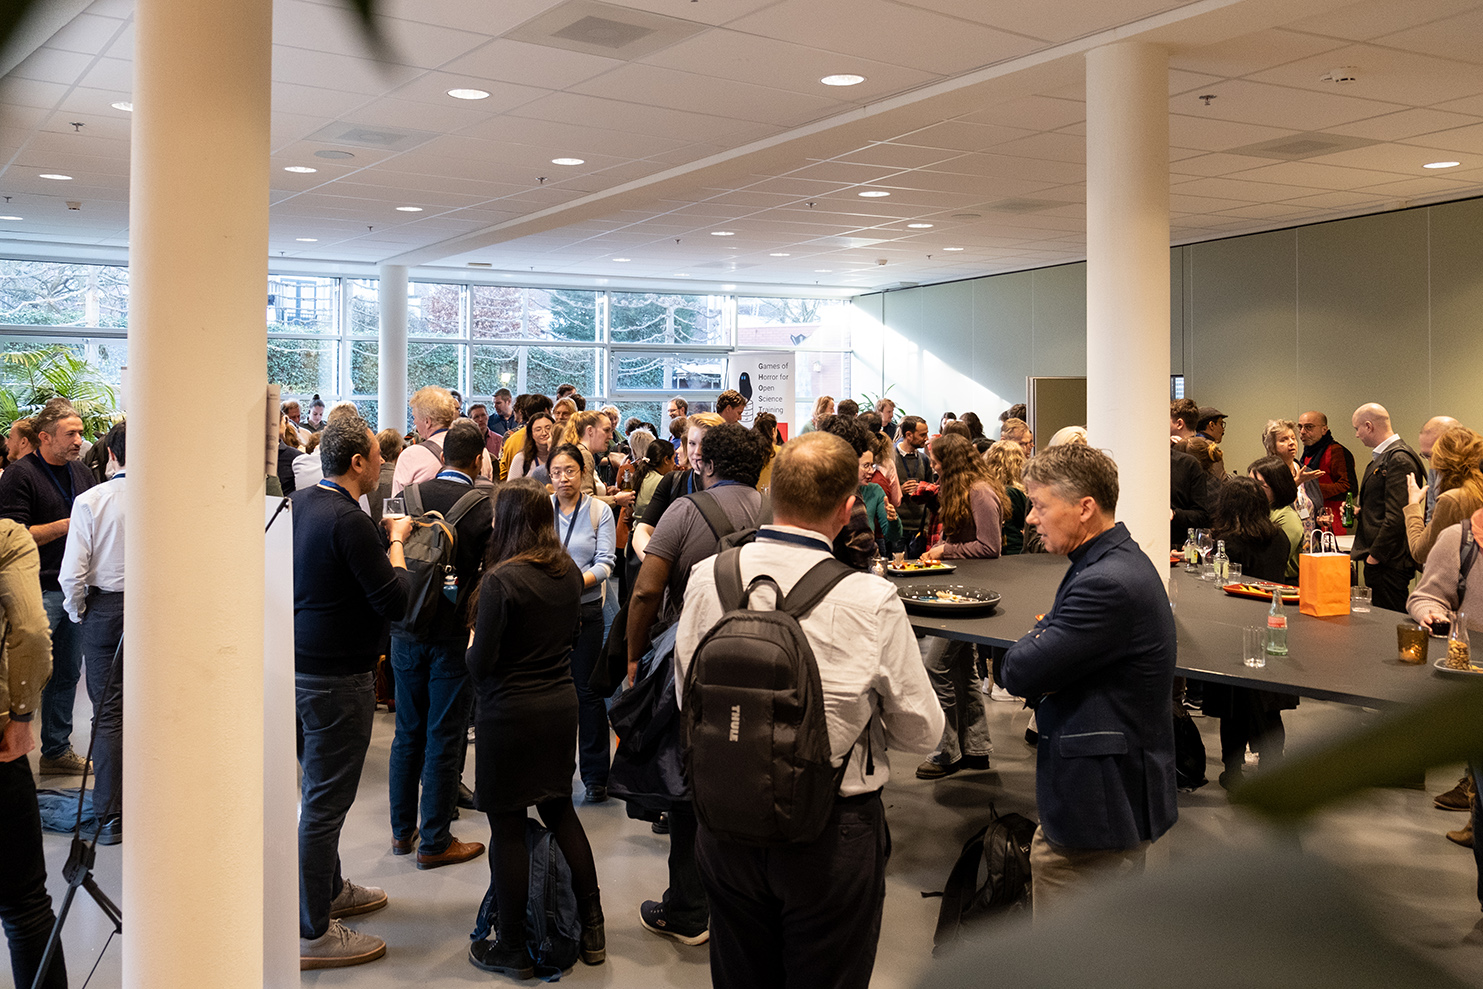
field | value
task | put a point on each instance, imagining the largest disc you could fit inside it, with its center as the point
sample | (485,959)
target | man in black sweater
(37,491)
(345,591)
(433,695)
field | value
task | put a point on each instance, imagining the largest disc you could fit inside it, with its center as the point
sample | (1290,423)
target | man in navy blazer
(1100,669)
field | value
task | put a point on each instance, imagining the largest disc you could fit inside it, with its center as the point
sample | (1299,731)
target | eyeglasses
(562,473)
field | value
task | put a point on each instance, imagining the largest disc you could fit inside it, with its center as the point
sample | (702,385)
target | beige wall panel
(1060,320)
(1003,320)
(1362,320)
(1456,311)
(1243,354)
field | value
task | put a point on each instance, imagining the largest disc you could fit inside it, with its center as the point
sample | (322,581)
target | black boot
(505,957)
(594,941)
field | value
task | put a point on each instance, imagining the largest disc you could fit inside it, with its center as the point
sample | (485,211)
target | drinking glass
(1359,599)
(1234,573)
(1254,646)
(394,508)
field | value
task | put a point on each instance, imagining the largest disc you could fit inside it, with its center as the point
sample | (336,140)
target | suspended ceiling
(706,116)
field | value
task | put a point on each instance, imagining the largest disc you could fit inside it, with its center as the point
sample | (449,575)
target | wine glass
(1205,542)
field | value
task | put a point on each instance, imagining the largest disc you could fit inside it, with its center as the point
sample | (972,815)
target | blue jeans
(593,746)
(433,698)
(102,631)
(334,715)
(60,692)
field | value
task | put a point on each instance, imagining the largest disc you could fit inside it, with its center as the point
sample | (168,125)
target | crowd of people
(584,569)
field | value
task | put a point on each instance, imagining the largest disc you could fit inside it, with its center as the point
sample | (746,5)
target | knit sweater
(1436,591)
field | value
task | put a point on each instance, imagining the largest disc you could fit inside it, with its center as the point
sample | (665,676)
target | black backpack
(553,930)
(757,745)
(432,554)
(1002,848)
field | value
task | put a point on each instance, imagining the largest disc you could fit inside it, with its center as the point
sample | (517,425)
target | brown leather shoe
(457,851)
(404,846)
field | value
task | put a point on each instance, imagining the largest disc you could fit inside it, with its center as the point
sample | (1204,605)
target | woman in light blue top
(586,529)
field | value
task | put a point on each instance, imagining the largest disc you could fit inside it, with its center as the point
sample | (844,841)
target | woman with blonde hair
(1455,457)
(1281,440)
(1211,457)
(823,406)
(1005,461)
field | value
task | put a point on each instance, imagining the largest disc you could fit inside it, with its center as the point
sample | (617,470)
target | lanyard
(570,525)
(68,498)
(797,538)
(331,485)
(721,484)
(455,475)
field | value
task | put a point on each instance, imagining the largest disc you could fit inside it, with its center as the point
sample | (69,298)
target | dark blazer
(1192,494)
(1101,663)
(1380,530)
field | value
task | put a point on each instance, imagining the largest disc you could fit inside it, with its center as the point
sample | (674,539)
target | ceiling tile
(516,61)
(1240,56)
(661,87)
(1417,124)
(1211,134)
(1278,106)
(1383,74)
(888,32)
(1374,18)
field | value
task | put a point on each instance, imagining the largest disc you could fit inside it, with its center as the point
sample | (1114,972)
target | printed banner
(766,380)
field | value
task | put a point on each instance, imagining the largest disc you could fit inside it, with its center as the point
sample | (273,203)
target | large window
(630,349)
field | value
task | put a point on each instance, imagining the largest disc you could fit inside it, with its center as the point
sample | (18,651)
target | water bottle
(1276,626)
(1222,562)
(1191,552)
(450,585)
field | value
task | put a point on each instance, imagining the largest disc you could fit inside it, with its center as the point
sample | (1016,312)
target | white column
(1128,280)
(391,375)
(193,762)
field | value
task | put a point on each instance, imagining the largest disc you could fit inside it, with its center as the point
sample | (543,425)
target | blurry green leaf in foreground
(1445,728)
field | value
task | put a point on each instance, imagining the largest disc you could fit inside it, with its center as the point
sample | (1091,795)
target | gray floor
(1389,842)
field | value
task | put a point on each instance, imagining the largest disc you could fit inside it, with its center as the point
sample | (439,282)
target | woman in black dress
(528,606)
(1255,542)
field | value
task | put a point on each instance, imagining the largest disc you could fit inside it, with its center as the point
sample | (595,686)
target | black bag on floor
(1189,752)
(553,932)
(999,854)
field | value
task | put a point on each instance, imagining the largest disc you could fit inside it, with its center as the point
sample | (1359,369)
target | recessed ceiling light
(918,226)
(723,233)
(568,161)
(12,217)
(300,169)
(1442,164)
(623,259)
(780,254)
(123,105)
(307,240)
(468,94)
(822,271)
(681,274)
(843,79)
(728,288)
(952,248)
(873,193)
(56,177)
(409,209)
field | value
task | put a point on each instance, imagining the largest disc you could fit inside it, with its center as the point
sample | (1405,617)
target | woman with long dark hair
(528,603)
(1243,520)
(1281,490)
(533,459)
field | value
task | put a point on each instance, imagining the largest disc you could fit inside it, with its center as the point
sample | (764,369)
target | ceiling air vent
(1024,205)
(605,29)
(361,136)
(1296,147)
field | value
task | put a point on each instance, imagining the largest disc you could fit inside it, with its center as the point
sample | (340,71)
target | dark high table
(1350,658)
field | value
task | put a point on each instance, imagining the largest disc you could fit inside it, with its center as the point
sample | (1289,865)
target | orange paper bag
(1323,577)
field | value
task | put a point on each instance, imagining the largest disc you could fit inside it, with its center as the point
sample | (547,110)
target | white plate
(1441,667)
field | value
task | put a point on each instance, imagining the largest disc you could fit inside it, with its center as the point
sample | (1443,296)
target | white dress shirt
(94,556)
(869,662)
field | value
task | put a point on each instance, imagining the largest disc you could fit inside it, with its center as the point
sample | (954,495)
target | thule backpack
(757,744)
(431,551)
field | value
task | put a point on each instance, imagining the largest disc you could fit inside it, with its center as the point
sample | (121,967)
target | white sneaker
(1000,694)
(339,947)
(355,899)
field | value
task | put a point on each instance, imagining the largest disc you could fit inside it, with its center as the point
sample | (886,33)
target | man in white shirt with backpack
(799,904)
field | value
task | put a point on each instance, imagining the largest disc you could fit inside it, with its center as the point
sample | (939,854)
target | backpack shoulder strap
(464,505)
(1467,555)
(435,447)
(715,516)
(412,493)
(812,586)
(595,509)
(729,579)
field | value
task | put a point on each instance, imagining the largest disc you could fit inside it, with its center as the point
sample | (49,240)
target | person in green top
(880,512)
(1282,491)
